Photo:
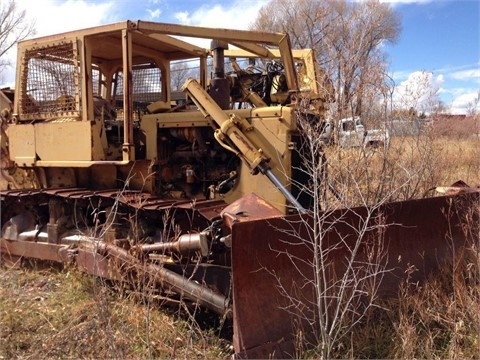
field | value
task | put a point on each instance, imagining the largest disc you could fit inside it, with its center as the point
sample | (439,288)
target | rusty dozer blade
(274,289)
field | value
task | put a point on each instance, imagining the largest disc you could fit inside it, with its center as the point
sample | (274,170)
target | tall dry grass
(64,314)
(52,313)
(409,169)
(439,318)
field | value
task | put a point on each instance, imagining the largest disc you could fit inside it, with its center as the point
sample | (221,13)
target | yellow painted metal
(264,138)
(63,141)
(230,127)
(260,134)
(22,144)
(128,148)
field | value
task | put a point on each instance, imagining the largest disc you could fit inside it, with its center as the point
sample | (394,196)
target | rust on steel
(117,173)
(419,233)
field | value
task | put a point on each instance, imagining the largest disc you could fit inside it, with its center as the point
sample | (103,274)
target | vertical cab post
(128,148)
(86,78)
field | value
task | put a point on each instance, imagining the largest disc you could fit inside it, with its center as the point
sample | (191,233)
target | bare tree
(346,36)
(180,72)
(418,94)
(473,106)
(344,258)
(14,27)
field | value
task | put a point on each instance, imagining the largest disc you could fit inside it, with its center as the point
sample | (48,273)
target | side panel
(64,141)
(273,127)
(21,140)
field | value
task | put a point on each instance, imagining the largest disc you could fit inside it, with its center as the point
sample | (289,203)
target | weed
(60,314)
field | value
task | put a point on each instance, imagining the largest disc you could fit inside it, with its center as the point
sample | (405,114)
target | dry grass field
(51,313)
(409,169)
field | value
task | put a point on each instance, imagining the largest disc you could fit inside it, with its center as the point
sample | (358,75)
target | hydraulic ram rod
(288,195)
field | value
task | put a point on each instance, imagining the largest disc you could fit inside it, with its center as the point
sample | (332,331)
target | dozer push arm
(231,131)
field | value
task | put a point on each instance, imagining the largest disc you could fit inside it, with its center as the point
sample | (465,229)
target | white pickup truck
(351,133)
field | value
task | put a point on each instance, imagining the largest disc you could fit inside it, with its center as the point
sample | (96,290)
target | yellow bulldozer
(108,166)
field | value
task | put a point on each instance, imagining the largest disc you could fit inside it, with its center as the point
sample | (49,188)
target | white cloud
(399,76)
(51,17)
(463,87)
(154,14)
(154,9)
(464,102)
(456,87)
(471,74)
(183,17)
(237,16)
(419,91)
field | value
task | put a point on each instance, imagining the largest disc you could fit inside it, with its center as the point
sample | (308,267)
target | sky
(442,39)
(439,42)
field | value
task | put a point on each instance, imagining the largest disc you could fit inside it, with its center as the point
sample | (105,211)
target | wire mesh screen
(146,88)
(146,85)
(50,76)
(96,79)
